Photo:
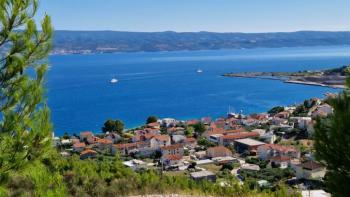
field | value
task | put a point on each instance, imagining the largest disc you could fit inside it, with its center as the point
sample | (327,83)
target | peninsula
(334,78)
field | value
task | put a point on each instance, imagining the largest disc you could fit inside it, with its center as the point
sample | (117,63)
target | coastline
(283,78)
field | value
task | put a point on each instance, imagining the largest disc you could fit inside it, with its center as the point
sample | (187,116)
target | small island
(334,78)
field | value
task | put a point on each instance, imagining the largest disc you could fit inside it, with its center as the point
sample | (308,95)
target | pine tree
(25,127)
(332,144)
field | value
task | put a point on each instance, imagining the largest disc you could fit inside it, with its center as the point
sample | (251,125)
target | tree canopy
(113,126)
(199,128)
(151,119)
(332,144)
(25,127)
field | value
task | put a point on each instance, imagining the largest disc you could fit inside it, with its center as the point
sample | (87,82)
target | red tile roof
(310,165)
(153,124)
(79,145)
(88,151)
(192,122)
(124,146)
(173,157)
(240,135)
(161,137)
(104,141)
(171,147)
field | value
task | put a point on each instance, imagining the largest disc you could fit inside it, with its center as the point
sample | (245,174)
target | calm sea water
(166,84)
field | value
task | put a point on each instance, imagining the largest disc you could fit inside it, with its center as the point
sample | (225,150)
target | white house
(310,170)
(158,141)
(302,122)
(268,151)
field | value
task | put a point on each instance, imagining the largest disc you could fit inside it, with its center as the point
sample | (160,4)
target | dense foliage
(332,144)
(151,119)
(113,126)
(199,127)
(25,128)
(276,110)
(54,176)
(272,175)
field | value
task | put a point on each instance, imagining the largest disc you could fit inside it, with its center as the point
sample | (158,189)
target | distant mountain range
(116,41)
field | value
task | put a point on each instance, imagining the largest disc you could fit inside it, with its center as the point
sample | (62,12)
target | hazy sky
(198,15)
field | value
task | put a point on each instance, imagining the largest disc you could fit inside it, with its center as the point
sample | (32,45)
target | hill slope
(114,41)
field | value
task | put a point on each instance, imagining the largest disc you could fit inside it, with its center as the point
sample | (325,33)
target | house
(115,138)
(280,161)
(88,154)
(206,120)
(153,125)
(176,130)
(302,122)
(247,144)
(250,121)
(248,166)
(223,160)
(158,141)
(85,135)
(283,115)
(167,122)
(178,139)
(192,122)
(135,164)
(66,142)
(260,131)
(269,138)
(123,149)
(267,151)
(92,140)
(230,138)
(140,148)
(171,160)
(175,149)
(322,111)
(79,147)
(203,175)
(263,117)
(216,138)
(104,144)
(146,137)
(278,121)
(200,154)
(215,130)
(310,170)
(218,151)
(190,141)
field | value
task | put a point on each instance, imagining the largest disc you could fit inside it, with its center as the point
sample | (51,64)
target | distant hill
(114,41)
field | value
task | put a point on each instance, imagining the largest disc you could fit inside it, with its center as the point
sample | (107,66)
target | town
(263,149)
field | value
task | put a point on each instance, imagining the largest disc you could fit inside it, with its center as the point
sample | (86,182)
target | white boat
(114,80)
(199,71)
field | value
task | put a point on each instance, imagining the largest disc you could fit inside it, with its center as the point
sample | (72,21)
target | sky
(198,15)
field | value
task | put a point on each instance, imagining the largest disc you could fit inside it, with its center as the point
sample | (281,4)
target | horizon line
(172,31)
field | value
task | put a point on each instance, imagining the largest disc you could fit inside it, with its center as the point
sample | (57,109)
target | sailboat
(113,80)
(199,71)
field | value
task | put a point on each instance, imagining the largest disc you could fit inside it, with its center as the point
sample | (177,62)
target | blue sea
(166,84)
